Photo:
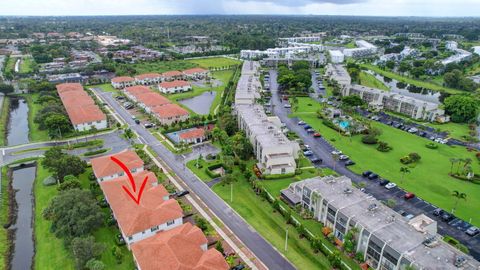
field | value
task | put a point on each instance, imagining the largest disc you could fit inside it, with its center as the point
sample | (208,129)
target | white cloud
(327,7)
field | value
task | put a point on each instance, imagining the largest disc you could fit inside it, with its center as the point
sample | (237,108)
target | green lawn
(50,251)
(27,65)
(428,180)
(201,172)
(106,87)
(3,217)
(403,79)
(36,135)
(162,66)
(4,120)
(214,62)
(271,225)
(369,80)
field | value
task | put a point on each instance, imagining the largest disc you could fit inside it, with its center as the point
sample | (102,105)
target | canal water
(18,122)
(22,183)
(411,90)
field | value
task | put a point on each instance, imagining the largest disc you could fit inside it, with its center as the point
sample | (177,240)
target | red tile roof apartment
(148,78)
(122,82)
(196,73)
(105,169)
(156,212)
(170,87)
(172,75)
(81,108)
(170,113)
(182,248)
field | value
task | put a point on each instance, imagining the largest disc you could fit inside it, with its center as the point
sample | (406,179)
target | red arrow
(136,199)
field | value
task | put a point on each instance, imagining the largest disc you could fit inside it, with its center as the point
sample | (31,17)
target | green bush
(209,170)
(278,176)
(96,152)
(369,139)
(431,145)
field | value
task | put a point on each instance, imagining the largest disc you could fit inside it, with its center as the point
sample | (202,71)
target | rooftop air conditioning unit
(348,191)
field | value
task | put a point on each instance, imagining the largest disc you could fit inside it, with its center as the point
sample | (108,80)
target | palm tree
(459,161)
(466,163)
(404,170)
(458,195)
(452,161)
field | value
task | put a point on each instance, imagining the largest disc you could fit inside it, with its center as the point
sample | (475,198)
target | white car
(301,123)
(287,106)
(390,185)
(343,157)
(336,152)
(307,147)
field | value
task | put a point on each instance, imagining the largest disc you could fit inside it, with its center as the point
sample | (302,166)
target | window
(154,229)
(130,238)
(171,222)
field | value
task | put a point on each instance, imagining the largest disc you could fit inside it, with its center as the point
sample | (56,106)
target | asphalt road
(323,149)
(256,243)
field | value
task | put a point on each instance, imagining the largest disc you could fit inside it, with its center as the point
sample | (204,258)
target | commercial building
(409,106)
(122,82)
(196,73)
(84,114)
(385,238)
(364,49)
(105,169)
(184,247)
(336,56)
(171,87)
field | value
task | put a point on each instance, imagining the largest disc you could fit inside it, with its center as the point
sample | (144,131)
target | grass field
(106,87)
(50,251)
(369,80)
(201,172)
(4,120)
(214,62)
(35,134)
(411,81)
(27,65)
(162,66)
(429,179)
(3,217)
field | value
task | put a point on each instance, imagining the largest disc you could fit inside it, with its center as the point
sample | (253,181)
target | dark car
(438,212)
(455,222)
(383,182)
(447,217)
(310,130)
(315,159)
(422,134)
(366,173)
(182,193)
(137,121)
(349,162)
(373,176)
(389,123)
(409,196)
(307,127)
(238,267)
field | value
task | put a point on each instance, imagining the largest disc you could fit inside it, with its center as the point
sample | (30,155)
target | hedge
(278,176)
(209,170)
(96,152)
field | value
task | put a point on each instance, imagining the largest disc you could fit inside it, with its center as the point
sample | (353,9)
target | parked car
(310,130)
(306,146)
(120,97)
(409,216)
(412,130)
(307,127)
(317,135)
(149,125)
(447,217)
(343,157)
(287,106)
(238,267)
(472,231)
(182,193)
(366,173)
(336,152)
(315,159)
(349,162)
(390,186)
(307,153)
(373,176)
(409,196)
(384,182)
(137,121)
(455,222)
(438,212)
(422,133)
(301,123)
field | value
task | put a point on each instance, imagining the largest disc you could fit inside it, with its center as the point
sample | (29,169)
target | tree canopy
(461,108)
(61,164)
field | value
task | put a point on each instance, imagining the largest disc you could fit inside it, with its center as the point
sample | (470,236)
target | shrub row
(96,152)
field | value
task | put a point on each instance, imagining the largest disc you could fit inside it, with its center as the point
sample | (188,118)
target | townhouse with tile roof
(171,87)
(196,73)
(148,78)
(122,82)
(104,169)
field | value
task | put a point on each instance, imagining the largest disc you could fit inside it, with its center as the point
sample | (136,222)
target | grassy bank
(214,62)
(3,218)
(429,179)
(4,120)
(370,81)
(35,134)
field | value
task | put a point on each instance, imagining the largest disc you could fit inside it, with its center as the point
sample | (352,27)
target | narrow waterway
(22,182)
(18,122)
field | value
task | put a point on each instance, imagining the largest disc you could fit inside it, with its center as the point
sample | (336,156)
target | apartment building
(336,56)
(196,73)
(172,75)
(122,82)
(105,169)
(386,239)
(364,49)
(84,114)
(476,49)
(248,86)
(177,86)
(156,212)
(170,113)
(148,78)
(409,106)
(339,74)
(132,92)
(184,247)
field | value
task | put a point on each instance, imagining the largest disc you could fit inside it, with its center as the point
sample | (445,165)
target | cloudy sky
(453,8)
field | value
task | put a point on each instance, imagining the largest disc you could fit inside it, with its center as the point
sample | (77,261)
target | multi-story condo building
(339,74)
(336,56)
(409,106)
(387,240)
(105,169)
(248,86)
(364,49)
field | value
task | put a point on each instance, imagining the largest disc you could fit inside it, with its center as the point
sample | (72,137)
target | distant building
(172,75)
(65,78)
(170,87)
(384,238)
(122,82)
(476,50)
(336,56)
(339,74)
(364,49)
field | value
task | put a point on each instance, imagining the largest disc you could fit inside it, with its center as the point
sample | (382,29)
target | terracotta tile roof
(104,166)
(147,76)
(177,249)
(153,210)
(173,84)
(66,87)
(137,89)
(122,79)
(169,110)
(172,73)
(80,107)
(194,71)
(152,99)
(85,114)
(193,133)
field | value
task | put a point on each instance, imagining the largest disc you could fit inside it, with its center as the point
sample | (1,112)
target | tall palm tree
(459,161)
(452,161)
(404,170)
(458,195)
